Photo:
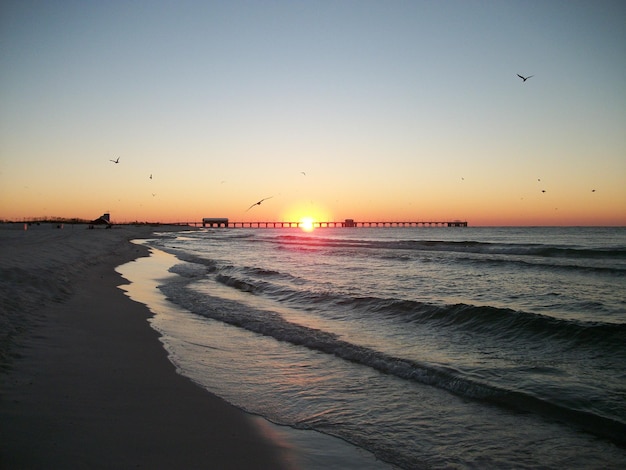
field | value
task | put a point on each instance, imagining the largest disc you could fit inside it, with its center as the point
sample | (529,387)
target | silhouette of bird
(593,190)
(303,173)
(258,203)
(543,190)
(524,78)
(150,175)
(115,161)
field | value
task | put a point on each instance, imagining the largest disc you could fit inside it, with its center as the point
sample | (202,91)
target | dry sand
(85,382)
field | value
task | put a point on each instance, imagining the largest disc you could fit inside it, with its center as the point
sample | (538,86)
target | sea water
(426,347)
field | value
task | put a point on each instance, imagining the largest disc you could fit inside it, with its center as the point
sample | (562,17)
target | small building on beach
(104,219)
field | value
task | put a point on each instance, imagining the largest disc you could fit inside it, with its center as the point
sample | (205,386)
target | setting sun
(307,224)
(307,214)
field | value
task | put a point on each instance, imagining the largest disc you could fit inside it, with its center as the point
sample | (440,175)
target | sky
(370,110)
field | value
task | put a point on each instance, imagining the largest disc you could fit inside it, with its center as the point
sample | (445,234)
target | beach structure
(104,219)
(215,221)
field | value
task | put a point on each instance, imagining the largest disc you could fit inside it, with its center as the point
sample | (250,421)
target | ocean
(424,347)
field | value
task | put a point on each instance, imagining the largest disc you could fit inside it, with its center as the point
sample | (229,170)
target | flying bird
(258,203)
(303,173)
(150,175)
(115,161)
(524,78)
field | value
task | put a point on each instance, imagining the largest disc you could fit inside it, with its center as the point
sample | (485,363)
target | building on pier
(215,221)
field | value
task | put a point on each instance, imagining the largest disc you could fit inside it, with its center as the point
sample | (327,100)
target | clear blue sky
(393,109)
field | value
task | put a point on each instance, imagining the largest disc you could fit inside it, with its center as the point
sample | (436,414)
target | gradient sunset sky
(371,110)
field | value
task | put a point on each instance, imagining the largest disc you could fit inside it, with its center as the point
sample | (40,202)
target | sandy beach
(84,380)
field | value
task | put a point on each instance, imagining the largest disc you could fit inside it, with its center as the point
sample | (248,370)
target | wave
(502,322)
(271,324)
(555,265)
(525,249)
(497,322)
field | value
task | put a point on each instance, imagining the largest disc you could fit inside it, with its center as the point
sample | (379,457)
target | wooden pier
(348,223)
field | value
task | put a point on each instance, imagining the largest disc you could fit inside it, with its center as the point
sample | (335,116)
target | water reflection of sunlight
(146,291)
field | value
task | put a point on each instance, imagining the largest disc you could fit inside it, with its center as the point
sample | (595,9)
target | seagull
(150,175)
(115,161)
(258,203)
(543,190)
(524,78)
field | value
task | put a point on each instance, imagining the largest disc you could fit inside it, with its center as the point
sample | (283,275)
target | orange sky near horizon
(368,110)
(479,203)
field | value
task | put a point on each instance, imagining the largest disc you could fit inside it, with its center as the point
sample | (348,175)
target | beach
(85,382)
(174,347)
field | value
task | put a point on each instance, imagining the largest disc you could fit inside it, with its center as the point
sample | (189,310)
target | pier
(347,223)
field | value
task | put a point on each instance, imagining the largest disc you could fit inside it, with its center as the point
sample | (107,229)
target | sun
(307,224)
(306,214)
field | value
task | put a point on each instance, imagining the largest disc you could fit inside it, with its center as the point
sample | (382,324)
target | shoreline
(310,449)
(86,381)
